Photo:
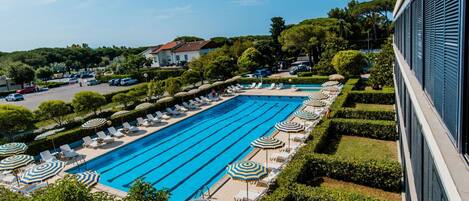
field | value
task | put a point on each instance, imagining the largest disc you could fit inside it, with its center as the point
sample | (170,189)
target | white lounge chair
(252,86)
(88,142)
(272,86)
(114,132)
(298,137)
(129,127)
(280,156)
(190,106)
(144,122)
(267,181)
(294,88)
(180,108)
(46,156)
(241,86)
(280,86)
(259,85)
(201,101)
(104,137)
(205,99)
(27,190)
(161,115)
(213,98)
(195,103)
(172,112)
(68,152)
(153,119)
(253,196)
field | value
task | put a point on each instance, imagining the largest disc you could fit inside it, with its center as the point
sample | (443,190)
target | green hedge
(305,74)
(382,174)
(303,192)
(352,113)
(287,80)
(376,129)
(152,74)
(110,95)
(371,97)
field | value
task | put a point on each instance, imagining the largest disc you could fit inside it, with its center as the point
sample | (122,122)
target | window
(177,58)
(186,57)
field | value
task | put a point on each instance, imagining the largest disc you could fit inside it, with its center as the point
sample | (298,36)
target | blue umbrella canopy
(267,143)
(12,148)
(14,162)
(88,178)
(318,96)
(247,171)
(306,115)
(42,172)
(289,127)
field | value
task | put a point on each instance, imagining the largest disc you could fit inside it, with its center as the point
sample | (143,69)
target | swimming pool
(302,87)
(194,152)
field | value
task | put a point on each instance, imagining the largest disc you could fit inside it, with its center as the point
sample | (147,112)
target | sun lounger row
(271,87)
(65,150)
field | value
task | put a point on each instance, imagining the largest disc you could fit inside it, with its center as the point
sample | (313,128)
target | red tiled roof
(167,46)
(194,46)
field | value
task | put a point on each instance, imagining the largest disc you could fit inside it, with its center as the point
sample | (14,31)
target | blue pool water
(194,153)
(302,87)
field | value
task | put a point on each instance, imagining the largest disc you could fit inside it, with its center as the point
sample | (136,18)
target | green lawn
(364,190)
(366,148)
(373,106)
(384,89)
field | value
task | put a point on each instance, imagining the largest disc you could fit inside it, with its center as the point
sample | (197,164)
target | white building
(178,52)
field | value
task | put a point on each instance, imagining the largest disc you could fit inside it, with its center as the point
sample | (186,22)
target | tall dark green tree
(19,72)
(382,69)
(276,28)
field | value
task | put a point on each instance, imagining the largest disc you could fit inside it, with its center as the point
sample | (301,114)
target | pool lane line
(223,169)
(222,151)
(173,147)
(190,147)
(135,155)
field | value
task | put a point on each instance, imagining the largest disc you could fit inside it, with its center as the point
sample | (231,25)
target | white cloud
(249,2)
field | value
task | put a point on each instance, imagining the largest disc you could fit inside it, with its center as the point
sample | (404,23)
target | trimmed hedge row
(352,113)
(371,97)
(157,74)
(287,80)
(303,192)
(376,129)
(382,174)
(305,74)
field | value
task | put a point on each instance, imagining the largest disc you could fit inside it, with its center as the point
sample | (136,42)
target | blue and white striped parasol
(42,172)
(247,171)
(289,127)
(306,115)
(12,148)
(314,103)
(16,161)
(267,143)
(330,83)
(88,178)
(318,96)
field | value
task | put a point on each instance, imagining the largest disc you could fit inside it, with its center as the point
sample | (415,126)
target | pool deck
(226,188)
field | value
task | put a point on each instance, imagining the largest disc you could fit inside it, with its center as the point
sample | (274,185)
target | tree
(122,98)
(198,65)
(190,77)
(136,61)
(19,72)
(188,38)
(86,101)
(69,189)
(44,73)
(14,118)
(173,85)
(155,88)
(349,62)
(55,110)
(331,46)
(382,70)
(276,28)
(250,60)
(144,191)
(8,195)
(220,67)
(307,38)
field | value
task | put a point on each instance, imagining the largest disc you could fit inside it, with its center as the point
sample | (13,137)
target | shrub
(303,192)
(88,101)
(14,118)
(55,110)
(376,129)
(351,113)
(122,98)
(144,191)
(371,97)
(349,62)
(71,190)
(250,59)
(287,80)
(382,70)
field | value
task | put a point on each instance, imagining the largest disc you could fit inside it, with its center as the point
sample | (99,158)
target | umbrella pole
(247,190)
(266,159)
(17,179)
(288,142)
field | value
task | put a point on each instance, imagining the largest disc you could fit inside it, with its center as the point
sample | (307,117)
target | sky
(29,24)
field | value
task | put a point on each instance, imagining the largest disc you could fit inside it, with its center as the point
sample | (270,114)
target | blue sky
(28,24)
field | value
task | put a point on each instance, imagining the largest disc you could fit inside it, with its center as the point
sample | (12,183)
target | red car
(26,90)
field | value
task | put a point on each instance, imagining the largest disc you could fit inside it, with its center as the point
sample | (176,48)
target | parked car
(114,82)
(26,90)
(300,68)
(128,81)
(72,80)
(14,97)
(250,75)
(263,72)
(92,82)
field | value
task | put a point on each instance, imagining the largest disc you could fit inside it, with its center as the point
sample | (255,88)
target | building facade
(431,78)
(178,52)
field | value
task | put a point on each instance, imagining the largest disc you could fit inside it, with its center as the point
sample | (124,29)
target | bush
(349,62)
(371,97)
(55,110)
(305,74)
(13,119)
(70,189)
(88,101)
(303,192)
(351,113)
(286,80)
(144,191)
(376,129)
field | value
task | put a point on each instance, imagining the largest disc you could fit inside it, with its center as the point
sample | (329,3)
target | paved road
(64,93)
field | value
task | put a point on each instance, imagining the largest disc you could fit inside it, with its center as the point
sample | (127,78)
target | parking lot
(64,93)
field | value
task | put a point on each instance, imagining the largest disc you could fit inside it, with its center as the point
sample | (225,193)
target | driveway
(64,93)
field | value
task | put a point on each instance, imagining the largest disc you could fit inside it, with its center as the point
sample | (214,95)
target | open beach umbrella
(329,83)
(267,143)
(15,162)
(314,103)
(336,77)
(42,172)
(193,91)
(289,127)
(204,86)
(12,148)
(318,96)
(306,115)
(165,100)
(119,114)
(88,178)
(181,94)
(246,171)
(217,83)
(331,89)
(47,134)
(94,123)
(143,106)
